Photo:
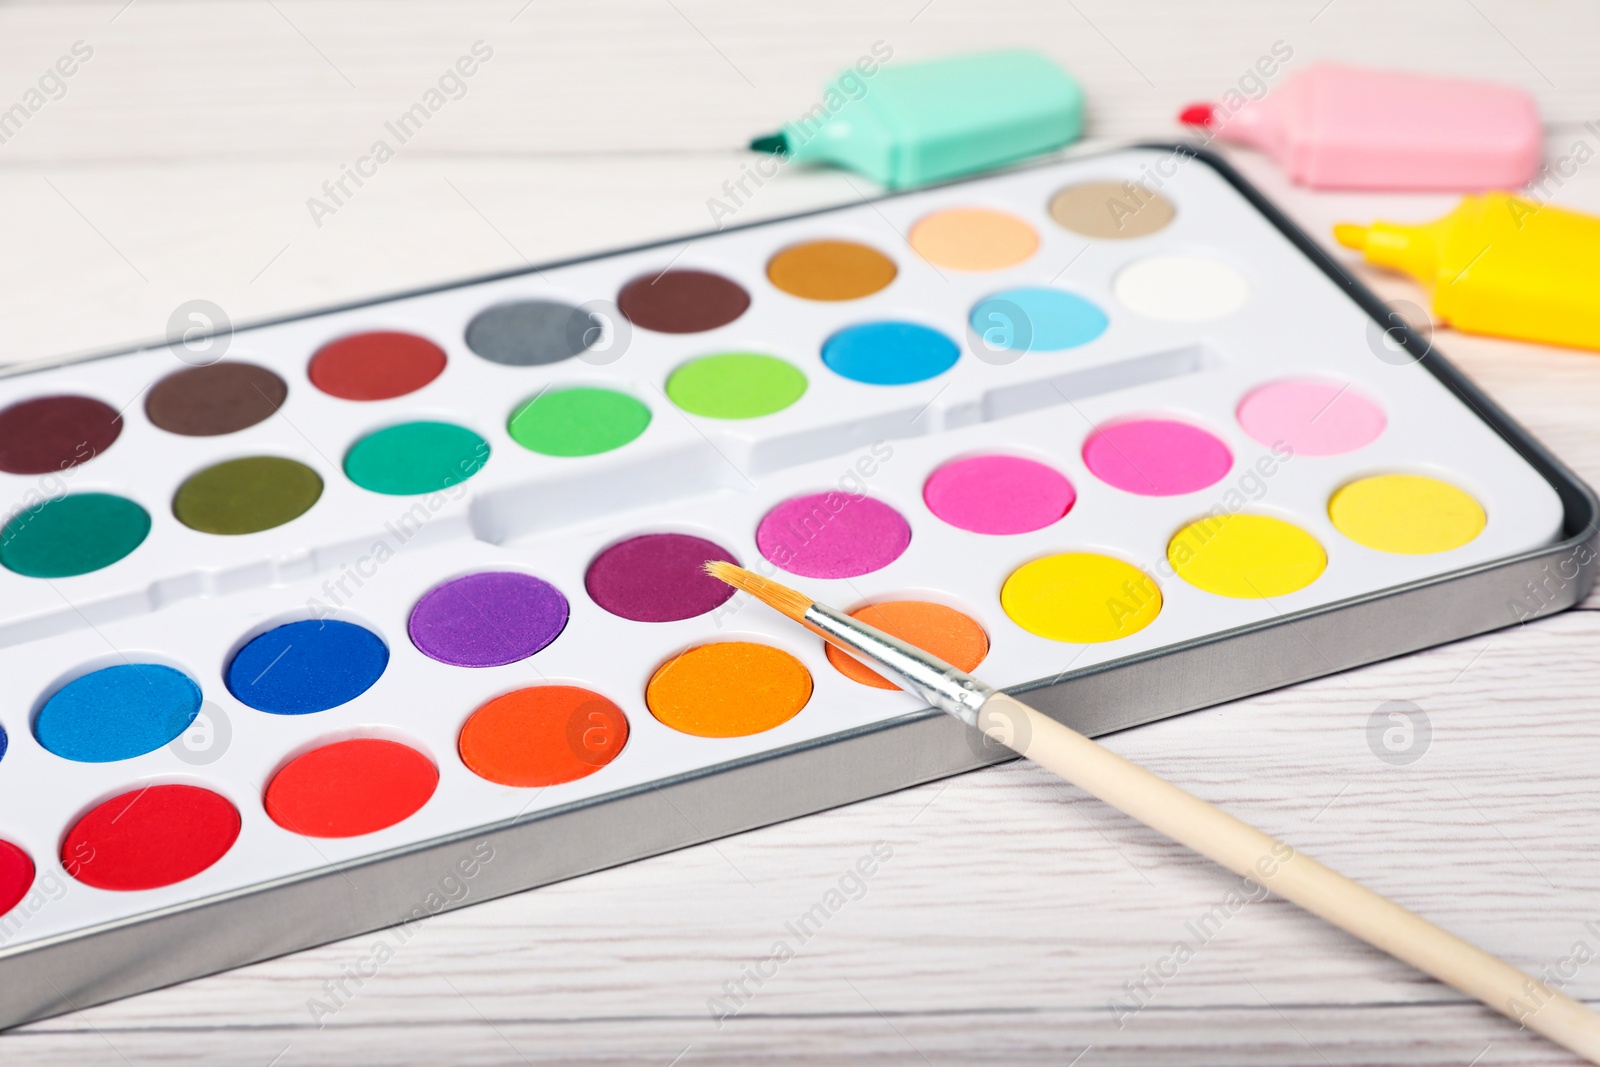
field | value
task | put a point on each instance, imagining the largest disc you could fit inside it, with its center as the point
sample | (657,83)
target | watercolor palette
(398,606)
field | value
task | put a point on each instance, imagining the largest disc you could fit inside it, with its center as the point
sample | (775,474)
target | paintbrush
(1190,821)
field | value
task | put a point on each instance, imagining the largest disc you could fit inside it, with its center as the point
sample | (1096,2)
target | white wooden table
(178,164)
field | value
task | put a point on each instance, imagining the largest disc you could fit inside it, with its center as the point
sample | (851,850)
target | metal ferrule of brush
(940,684)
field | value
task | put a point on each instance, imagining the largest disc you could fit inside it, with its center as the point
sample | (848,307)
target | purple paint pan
(488,619)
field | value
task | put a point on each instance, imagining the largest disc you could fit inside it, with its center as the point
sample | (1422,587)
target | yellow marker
(1500,265)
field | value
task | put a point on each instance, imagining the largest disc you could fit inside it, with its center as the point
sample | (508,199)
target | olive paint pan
(410,591)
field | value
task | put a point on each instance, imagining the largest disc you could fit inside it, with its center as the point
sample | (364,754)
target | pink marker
(1336,127)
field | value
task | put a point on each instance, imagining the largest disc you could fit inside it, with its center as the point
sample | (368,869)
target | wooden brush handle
(1248,852)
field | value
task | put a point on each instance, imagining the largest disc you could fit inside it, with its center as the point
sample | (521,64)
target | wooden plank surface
(178,164)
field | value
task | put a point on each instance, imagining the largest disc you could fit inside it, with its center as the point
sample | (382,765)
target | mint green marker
(905,125)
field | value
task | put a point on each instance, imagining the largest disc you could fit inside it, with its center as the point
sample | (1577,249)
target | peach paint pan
(300,624)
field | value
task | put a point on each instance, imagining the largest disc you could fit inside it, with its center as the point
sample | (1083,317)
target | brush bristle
(766,590)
